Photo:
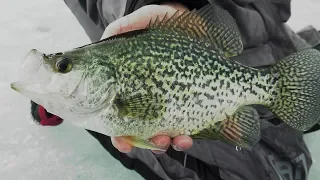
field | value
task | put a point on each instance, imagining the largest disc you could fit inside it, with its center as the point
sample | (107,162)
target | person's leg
(202,169)
(317,46)
(311,36)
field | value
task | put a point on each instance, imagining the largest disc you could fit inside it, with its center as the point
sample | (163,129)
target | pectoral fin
(140,106)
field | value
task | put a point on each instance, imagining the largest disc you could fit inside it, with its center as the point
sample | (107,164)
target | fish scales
(185,80)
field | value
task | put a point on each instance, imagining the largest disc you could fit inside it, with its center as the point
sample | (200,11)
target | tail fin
(297,100)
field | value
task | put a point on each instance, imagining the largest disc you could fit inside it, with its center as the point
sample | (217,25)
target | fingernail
(158,151)
(125,150)
(177,148)
(114,142)
(162,144)
(183,144)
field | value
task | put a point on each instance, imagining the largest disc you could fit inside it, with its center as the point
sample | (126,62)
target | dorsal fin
(211,23)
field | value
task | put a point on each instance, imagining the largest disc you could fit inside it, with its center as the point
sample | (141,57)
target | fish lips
(33,73)
(30,90)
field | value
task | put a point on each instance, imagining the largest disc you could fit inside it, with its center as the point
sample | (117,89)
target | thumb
(139,19)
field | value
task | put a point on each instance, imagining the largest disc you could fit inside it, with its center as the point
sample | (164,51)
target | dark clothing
(203,170)
(281,152)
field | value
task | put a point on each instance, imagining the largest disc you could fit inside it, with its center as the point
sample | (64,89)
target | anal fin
(241,129)
(141,143)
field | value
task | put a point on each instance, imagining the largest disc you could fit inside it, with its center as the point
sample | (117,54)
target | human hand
(139,20)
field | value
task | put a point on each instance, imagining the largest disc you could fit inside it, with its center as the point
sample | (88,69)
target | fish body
(184,88)
(174,77)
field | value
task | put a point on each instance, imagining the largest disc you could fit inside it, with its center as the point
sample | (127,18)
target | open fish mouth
(33,75)
(38,94)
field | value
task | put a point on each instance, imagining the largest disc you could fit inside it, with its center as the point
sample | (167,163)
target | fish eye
(64,65)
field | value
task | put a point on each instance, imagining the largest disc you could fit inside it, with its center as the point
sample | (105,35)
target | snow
(304,13)
(28,151)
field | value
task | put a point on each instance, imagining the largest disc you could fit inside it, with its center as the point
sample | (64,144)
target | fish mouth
(29,90)
(32,74)
(31,64)
(14,87)
(35,93)
(21,86)
(28,70)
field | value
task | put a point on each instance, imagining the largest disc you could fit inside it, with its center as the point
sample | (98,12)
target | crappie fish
(173,77)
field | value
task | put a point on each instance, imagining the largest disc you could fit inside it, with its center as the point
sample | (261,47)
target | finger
(181,143)
(121,144)
(137,20)
(162,142)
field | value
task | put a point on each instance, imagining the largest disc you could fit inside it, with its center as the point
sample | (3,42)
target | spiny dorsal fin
(211,23)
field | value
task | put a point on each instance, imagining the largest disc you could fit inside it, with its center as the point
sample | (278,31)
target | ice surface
(28,151)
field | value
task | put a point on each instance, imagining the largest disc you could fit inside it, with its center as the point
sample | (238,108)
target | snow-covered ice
(28,151)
